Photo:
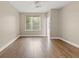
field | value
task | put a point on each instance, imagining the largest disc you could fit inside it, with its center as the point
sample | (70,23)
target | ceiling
(39,6)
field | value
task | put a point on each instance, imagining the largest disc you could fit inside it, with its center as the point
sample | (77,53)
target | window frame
(32,22)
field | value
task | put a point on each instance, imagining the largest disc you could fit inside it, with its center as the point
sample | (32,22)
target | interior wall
(9,23)
(23,24)
(69,22)
(54,24)
(48,24)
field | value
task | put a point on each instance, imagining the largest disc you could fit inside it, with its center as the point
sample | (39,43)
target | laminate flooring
(39,47)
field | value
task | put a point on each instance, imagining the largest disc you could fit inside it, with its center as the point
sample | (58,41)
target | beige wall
(54,24)
(9,26)
(69,22)
(48,23)
(23,28)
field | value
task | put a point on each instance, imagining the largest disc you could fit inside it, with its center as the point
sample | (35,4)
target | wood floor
(39,48)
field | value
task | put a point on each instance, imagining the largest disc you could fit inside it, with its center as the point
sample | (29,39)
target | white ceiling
(29,6)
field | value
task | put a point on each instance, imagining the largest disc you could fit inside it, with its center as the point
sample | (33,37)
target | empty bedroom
(39,29)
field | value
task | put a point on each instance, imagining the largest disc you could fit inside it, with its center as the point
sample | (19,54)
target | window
(33,23)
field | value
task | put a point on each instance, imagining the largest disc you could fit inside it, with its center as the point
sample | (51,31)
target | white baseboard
(2,48)
(32,35)
(71,43)
(75,45)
